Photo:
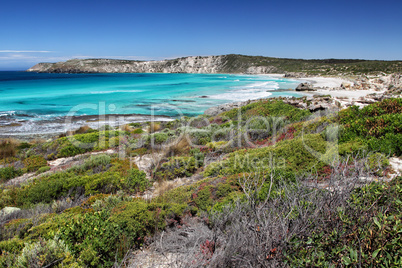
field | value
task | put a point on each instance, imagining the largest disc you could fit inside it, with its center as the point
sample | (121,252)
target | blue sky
(56,30)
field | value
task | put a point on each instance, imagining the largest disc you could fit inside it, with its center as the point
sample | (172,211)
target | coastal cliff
(223,64)
(209,64)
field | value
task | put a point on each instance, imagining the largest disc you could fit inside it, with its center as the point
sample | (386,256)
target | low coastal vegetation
(265,185)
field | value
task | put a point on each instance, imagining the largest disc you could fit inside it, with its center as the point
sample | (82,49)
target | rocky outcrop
(378,82)
(8,210)
(305,87)
(261,70)
(227,107)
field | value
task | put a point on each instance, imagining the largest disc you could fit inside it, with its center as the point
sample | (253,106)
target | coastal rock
(295,75)
(346,85)
(261,70)
(305,87)
(213,111)
(8,210)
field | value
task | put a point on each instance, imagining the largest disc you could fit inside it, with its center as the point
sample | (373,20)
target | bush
(377,163)
(136,181)
(176,167)
(137,125)
(271,108)
(198,156)
(137,131)
(33,163)
(378,125)
(8,173)
(94,239)
(100,161)
(200,136)
(290,156)
(46,253)
(99,238)
(81,143)
(70,150)
(42,170)
(365,232)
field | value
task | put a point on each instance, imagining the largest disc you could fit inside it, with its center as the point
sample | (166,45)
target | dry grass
(8,148)
(81,130)
(154,127)
(164,186)
(126,127)
(37,141)
(180,146)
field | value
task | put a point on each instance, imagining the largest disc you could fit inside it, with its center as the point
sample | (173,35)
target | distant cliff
(221,64)
(209,64)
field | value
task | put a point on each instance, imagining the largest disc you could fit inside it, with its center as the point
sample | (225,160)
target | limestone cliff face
(209,64)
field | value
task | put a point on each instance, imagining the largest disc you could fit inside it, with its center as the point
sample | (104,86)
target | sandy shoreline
(331,86)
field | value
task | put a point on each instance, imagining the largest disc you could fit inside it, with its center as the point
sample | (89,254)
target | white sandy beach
(331,86)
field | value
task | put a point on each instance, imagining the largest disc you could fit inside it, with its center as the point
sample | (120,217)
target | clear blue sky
(55,30)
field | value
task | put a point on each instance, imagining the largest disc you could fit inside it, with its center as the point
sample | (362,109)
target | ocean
(39,102)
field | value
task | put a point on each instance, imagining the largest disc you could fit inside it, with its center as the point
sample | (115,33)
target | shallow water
(35,103)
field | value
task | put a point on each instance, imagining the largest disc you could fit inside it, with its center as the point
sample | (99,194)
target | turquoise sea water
(29,99)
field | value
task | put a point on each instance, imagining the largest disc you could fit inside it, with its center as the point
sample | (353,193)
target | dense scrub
(379,126)
(268,184)
(364,232)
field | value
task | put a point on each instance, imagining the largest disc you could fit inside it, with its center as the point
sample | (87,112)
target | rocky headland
(293,68)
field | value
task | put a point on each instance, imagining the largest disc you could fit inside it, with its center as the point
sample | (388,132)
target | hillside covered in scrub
(224,64)
(264,185)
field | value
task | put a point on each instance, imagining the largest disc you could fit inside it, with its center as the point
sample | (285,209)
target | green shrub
(378,125)
(377,163)
(271,108)
(81,143)
(94,239)
(200,136)
(42,170)
(33,163)
(8,173)
(203,199)
(137,125)
(14,245)
(46,253)
(198,156)
(136,181)
(70,150)
(101,160)
(137,131)
(109,182)
(218,145)
(98,237)
(140,219)
(351,147)
(176,167)
(291,156)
